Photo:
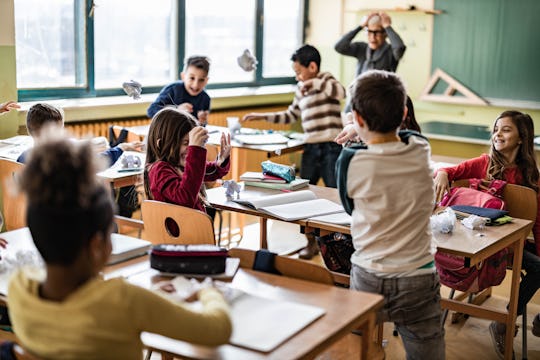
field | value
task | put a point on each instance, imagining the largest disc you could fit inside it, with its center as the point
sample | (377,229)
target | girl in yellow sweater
(71,312)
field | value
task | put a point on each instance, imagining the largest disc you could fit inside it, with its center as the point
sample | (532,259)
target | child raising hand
(176,165)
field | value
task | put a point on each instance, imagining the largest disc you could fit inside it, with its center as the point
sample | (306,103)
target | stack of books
(272,182)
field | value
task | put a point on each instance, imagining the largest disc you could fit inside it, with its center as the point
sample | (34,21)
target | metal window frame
(84,55)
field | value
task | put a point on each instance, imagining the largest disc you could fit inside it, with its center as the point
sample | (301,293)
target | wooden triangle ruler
(455,92)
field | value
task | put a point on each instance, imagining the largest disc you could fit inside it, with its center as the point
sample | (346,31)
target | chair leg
(148,354)
(524,334)
(220,215)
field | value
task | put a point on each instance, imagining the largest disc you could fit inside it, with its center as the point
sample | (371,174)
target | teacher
(376,53)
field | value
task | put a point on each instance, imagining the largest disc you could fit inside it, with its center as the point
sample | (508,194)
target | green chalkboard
(490,46)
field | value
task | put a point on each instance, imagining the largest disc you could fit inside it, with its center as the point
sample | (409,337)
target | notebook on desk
(254,320)
(127,247)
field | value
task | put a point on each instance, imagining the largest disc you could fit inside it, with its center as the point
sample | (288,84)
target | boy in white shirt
(387,187)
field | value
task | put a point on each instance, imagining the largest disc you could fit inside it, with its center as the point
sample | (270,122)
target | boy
(41,114)
(317,102)
(376,53)
(386,186)
(187,94)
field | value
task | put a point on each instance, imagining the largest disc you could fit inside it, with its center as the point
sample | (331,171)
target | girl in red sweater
(176,165)
(511,159)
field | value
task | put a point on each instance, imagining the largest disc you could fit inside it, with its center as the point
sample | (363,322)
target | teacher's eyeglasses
(375,32)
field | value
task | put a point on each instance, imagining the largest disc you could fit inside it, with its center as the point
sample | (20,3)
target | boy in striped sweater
(317,103)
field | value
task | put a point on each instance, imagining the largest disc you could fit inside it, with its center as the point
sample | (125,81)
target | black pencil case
(188,259)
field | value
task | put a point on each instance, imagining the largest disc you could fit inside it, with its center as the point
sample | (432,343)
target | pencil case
(282,171)
(188,259)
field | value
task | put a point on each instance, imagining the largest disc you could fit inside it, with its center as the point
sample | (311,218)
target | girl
(176,165)
(511,159)
(72,313)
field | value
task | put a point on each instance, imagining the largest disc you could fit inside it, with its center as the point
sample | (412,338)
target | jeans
(531,281)
(319,160)
(413,304)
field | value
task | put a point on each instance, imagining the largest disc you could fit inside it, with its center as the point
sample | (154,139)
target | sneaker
(536,325)
(497,332)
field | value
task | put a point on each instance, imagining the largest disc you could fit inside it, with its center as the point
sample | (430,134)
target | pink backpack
(477,194)
(490,272)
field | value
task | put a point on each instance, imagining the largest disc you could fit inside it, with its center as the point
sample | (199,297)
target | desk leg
(371,348)
(512,305)
(263,222)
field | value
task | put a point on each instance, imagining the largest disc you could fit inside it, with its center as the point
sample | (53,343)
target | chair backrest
(287,266)
(521,201)
(175,224)
(13,202)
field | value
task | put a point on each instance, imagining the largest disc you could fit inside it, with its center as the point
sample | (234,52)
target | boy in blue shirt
(187,94)
(42,114)
(387,187)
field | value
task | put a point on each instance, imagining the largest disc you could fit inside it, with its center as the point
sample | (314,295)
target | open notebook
(293,205)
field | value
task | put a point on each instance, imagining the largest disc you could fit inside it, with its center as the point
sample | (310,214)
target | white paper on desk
(341,218)
(261,139)
(13,147)
(263,324)
(113,173)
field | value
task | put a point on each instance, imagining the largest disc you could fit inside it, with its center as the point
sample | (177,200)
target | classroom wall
(416,29)
(8,87)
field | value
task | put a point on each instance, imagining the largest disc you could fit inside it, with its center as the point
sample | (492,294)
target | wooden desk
(217,199)
(345,311)
(466,243)
(118,179)
(239,154)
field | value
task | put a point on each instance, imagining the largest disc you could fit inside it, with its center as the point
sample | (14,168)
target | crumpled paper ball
(247,61)
(132,89)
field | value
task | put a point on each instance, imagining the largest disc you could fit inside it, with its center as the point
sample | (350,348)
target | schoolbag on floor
(336,250)
(491,271)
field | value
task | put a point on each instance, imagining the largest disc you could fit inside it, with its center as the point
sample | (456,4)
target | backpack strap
(405,135)
(342,166)
(342,169)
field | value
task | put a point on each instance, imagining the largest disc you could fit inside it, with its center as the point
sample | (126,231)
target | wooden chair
(175,224)
(521,203)
(13,202)
(287,266)
(118,134)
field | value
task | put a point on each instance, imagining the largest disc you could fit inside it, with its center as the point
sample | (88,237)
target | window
(84,48)
(133,39)
(46,45)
